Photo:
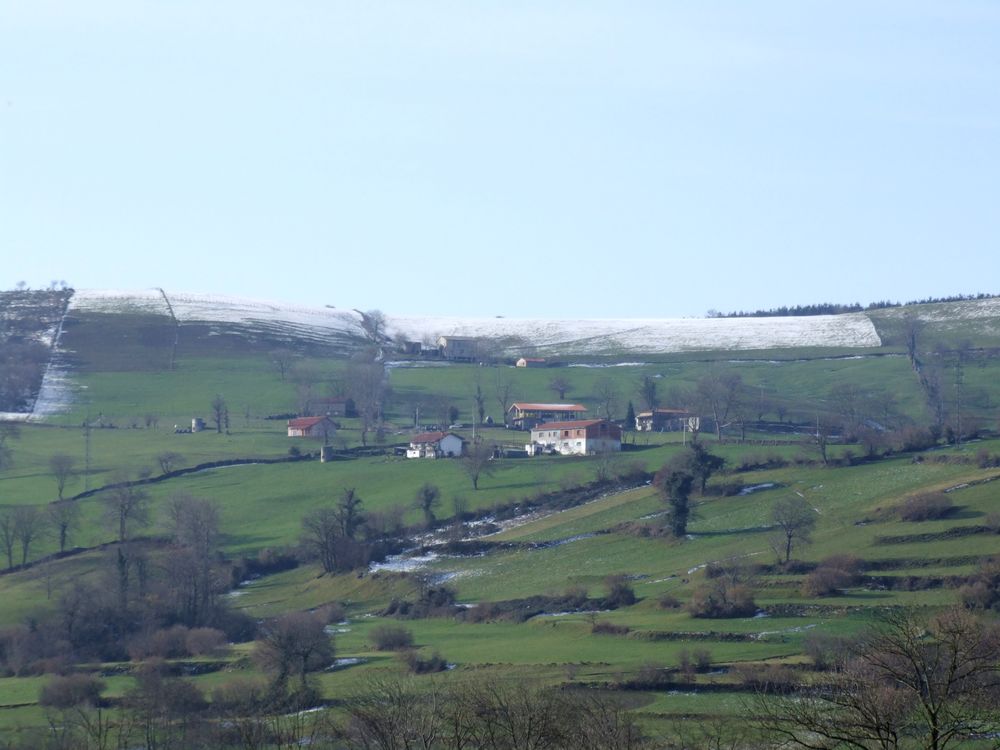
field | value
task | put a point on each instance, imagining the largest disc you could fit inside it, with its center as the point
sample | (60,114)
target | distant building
(411,347)
(435,445)
(312,427)
(661,420)
(197,424)
(581,437)
(461,348)
(331,407)
(523,415)
(530,362)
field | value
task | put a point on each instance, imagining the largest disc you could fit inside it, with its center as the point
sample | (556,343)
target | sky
(574,159)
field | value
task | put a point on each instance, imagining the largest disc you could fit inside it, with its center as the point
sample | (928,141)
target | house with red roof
(580,437)
(435,445)
(523,415)
(312,427)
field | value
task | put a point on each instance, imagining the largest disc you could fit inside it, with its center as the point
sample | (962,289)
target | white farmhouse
(435,445)
(582,437)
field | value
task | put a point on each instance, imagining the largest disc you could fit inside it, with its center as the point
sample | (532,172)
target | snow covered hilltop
(615,337)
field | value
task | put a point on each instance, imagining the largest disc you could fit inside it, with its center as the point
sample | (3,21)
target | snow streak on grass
(567,337)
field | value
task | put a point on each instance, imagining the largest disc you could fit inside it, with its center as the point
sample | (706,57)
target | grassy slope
(123,372)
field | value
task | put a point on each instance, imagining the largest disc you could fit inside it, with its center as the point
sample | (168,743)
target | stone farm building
(332,407)
(581,437)
(435,445)
(314,427)
(459,348)
(661,420)
(524,415)
(530,362)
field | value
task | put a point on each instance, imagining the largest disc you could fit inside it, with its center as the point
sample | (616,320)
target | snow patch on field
(649,335)
(566,337)
(317,323)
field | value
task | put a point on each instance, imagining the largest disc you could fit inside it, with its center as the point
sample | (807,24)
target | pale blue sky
(571,159)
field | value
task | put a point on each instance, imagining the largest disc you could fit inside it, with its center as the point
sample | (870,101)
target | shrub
(847,563)
(166,643)
(620,592)
(719,598)
(433,663)
(205,642)
(914,439)
(826,651)
(835,573)
(240,696)
(72,690)
(668,601)
(702,660)
(603,627)
(925,507)
(825,582)
(391,638)
(983,588)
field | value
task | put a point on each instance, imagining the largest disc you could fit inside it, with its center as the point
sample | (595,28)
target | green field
(132,398)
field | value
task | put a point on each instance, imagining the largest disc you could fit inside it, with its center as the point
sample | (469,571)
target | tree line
(833,308)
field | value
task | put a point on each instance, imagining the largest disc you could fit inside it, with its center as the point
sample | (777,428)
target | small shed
(530,362)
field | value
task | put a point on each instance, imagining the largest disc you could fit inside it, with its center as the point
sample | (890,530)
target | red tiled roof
(304,423)
(431,437)
(528,406)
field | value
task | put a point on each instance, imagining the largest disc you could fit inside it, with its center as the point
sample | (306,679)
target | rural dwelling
(661,420)
(312,427)
(463,348)
(435,445)
(524,415)
(582,437)
(530,362)
(332,407)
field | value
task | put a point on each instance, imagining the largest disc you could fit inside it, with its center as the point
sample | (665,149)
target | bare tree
(126,507)
(168,460)
(607,396)
(62,468)
(427,500)
(193,525)
(373,326)
(64,517)
(321,530)
(795,520)
(717,393)
(479,396)
(911,681)
(29,525)
(504,391)
(913,327)
(8,535)
(9,432)
(282,360)
(560,385)
(369,389)
(220,412)
(476,462)
(293,645)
